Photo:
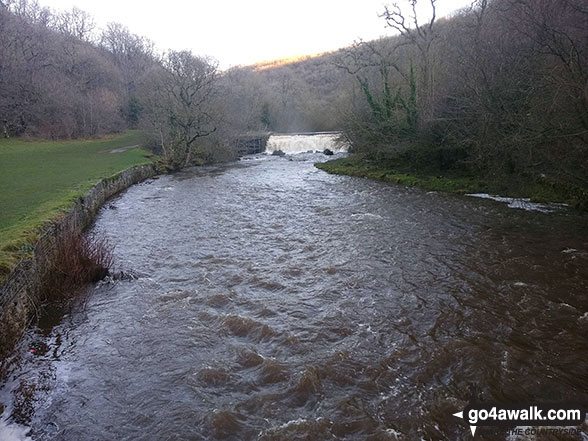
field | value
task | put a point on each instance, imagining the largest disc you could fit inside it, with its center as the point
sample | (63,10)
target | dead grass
(78,260)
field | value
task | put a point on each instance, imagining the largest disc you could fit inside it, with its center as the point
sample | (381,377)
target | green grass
(40,179)
(357,166)
(537,189)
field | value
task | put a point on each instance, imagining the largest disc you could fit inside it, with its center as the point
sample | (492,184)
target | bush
(76,261)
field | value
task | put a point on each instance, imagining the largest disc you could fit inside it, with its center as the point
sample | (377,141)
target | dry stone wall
(21,292)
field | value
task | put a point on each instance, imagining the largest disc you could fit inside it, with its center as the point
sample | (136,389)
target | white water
(13,432)
(522,203)
(291,144)
(9,430)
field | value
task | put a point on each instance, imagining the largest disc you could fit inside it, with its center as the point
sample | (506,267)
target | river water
(273,301)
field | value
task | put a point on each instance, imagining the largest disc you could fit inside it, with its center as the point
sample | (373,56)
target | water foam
(522,203)
(301,143)
(13,432)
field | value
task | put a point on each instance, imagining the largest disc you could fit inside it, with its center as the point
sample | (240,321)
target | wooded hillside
(500,88)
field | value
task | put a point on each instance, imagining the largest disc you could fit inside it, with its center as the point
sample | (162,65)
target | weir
(252,143)
(292,143)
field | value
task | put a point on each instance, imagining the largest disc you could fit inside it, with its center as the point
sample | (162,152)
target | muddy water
(276,302)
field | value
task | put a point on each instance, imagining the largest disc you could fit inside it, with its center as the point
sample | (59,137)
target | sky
(245,32)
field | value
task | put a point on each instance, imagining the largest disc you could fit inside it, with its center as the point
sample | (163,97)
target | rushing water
(276,302)
(316,142)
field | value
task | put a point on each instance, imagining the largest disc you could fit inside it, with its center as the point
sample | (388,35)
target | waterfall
(304,142)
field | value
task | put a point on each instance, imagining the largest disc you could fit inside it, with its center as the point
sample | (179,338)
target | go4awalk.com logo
(554,414)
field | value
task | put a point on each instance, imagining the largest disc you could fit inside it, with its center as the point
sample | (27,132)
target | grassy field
(39,179)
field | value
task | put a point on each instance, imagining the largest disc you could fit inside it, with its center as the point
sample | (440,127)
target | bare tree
(179,107)
(75,23)
(421,35)
(134,55)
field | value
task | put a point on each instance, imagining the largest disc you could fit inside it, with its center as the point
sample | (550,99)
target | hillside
(497,91)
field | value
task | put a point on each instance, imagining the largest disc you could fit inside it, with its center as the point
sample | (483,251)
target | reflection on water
(277,302)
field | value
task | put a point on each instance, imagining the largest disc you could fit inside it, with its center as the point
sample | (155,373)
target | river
(269,300)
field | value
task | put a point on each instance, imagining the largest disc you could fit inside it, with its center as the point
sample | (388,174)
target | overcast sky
(244,32)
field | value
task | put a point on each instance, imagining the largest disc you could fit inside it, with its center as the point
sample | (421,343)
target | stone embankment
(21,292)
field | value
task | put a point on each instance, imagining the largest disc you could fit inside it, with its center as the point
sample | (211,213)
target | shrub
(77,260)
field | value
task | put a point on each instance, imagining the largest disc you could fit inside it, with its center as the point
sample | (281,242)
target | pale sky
(244,32)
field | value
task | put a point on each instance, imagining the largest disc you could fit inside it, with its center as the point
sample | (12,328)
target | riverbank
(40,180)
(23,290)
(541,190)
(52,192)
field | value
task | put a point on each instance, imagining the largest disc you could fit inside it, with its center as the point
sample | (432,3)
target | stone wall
(21,292)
